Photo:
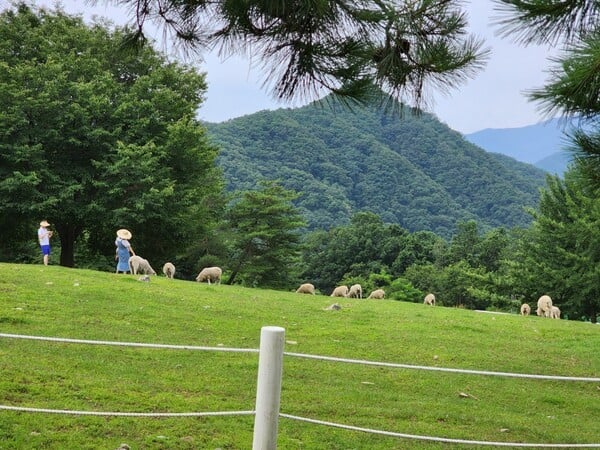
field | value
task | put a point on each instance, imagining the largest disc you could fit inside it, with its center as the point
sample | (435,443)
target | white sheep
(340,291)
(141,265)
(306,288)
(555,312)
(525,309)
(544,306)
(429,300)
(209,274)
(169,270)
(377,294)
(355,291)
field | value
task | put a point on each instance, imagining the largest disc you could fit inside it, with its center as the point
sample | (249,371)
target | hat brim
(44,223)
(124,234)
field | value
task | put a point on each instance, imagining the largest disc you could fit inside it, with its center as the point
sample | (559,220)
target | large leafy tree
(265,236)
(573,89)
(340,46)
(420,247)
(94,139)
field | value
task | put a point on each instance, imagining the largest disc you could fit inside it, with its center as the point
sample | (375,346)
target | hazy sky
(493,99)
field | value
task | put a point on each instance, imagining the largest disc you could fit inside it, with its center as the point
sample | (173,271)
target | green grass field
(82,304)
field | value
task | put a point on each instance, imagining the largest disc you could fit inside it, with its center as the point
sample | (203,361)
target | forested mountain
(410,170)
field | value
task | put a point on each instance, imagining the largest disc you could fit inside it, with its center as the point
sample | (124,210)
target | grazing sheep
(141,265)
(306,288)
(429,300)
(377,294)
(525,309)
(355,291)
(169,270)
(555,312)
(340,291)
(209,274)
(544,306)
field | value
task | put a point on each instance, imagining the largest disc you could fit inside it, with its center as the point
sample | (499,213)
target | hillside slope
(155,374)
(410,170)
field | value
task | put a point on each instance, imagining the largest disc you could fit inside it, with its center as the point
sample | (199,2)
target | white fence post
(268,388)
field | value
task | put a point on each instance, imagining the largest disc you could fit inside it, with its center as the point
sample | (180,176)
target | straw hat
(44,223)
(124,234)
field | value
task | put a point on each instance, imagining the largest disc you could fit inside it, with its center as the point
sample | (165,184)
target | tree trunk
(234,272)
(67,234)
(232,277)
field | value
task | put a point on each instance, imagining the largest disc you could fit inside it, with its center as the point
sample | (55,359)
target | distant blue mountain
(542,145)
(556,163)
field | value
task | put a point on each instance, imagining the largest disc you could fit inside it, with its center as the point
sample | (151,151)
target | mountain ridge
(410,170)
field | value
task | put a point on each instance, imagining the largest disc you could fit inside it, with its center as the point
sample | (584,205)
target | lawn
(88,305)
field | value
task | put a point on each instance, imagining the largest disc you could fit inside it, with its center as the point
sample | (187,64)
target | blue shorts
(45,249)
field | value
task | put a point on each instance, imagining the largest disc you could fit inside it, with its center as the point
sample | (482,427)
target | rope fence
(444,369)
(129,344)
(303,355)
(436,439)
(124,414)
(267,411)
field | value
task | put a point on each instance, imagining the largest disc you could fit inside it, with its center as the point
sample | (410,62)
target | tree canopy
(94,139)
(307,48)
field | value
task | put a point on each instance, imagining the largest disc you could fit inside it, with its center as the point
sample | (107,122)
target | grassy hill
(81,304)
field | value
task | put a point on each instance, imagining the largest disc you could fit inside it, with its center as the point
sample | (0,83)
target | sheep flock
(139,265)
(545,308)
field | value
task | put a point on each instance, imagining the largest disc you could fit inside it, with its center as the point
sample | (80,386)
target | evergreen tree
(265,238)
(560,255)
(464,243)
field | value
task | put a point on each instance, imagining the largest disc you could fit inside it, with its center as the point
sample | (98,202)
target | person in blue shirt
(124,250)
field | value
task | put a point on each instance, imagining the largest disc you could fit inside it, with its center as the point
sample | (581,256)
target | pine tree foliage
(560,253)
(308,48)
(265,239)
(547,21)
(573,89)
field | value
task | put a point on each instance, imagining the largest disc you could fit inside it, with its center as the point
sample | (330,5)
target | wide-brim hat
(44,223)
(124,234)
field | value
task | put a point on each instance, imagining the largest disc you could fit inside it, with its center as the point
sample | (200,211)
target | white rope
(289,416)
(436,439)
(127,414)
(443,369)
(129,344)
(302,355)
